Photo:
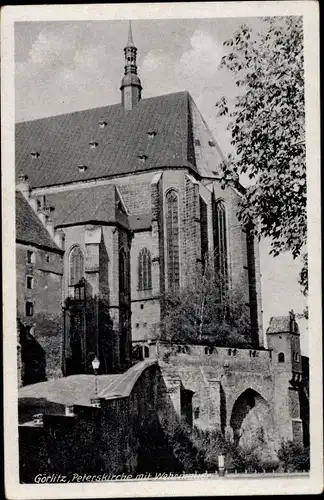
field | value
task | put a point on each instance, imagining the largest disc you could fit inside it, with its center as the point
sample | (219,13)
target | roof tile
(95,204)
(29,228)
(63,141)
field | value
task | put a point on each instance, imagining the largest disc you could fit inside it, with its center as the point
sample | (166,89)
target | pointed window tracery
(144,270)
(123,277)
(172,239)
(220,244)
(76,265)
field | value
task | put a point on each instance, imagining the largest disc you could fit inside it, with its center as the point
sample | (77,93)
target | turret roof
(282,324)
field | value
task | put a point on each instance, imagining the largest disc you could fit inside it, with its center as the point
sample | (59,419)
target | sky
(62,67)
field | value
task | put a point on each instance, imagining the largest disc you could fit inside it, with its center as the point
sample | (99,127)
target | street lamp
(95,366)
(221,465)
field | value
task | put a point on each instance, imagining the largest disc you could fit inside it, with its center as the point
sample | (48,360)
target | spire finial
(130,41)
(131,85)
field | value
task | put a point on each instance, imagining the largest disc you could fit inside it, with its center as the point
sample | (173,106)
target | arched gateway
(251,419)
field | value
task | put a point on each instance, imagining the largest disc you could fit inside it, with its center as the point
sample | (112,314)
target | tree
(206,311)
(293,457)
(267,125)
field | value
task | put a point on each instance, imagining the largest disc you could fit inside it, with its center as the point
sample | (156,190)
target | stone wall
(232,390)
(145,194)
(127,434)
(237,249)
(41,333)
(145,303)
(219,377)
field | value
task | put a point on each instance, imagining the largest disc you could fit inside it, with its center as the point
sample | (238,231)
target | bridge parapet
(229,358)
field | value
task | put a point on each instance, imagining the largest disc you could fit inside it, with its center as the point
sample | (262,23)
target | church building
(128,203)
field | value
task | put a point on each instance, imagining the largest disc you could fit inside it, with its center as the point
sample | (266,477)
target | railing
(142,349)
(76,292)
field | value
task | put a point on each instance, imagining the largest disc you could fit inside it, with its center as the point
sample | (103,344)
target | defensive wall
(122,430)
(125,429)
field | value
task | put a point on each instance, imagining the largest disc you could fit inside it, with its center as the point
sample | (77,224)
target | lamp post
(95,366)
(221,465)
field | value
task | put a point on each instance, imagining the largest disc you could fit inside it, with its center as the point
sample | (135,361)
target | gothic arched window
(203,233)
(76,265)
(281,357)
(122,272)
(172,239)
(144,270)
(220,241)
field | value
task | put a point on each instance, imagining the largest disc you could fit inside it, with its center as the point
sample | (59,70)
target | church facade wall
(107,307)
(74,235)
(145,303)
(146,194)
(136,192)
(237,250)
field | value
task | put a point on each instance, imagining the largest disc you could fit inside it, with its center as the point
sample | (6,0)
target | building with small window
(39,296)
(130,197)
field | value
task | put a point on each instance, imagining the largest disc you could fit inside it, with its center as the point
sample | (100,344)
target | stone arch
(251,419)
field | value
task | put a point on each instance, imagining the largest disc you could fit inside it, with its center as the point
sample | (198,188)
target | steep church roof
(159,132)
(29,229)
(137,135)
(124,145)
(96,204)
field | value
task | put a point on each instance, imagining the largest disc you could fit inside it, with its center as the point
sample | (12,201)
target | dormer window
(151,134)
(102,124)
(34,154)
(49,209)
(82,168)
(142,158)
(197,142)
(93,144)
(211,144)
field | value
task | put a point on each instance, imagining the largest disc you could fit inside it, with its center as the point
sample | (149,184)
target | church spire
(131,84)
(130,41)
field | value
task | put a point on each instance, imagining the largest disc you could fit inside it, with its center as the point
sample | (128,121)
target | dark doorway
(186,406)
(32,357)
(75,364)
